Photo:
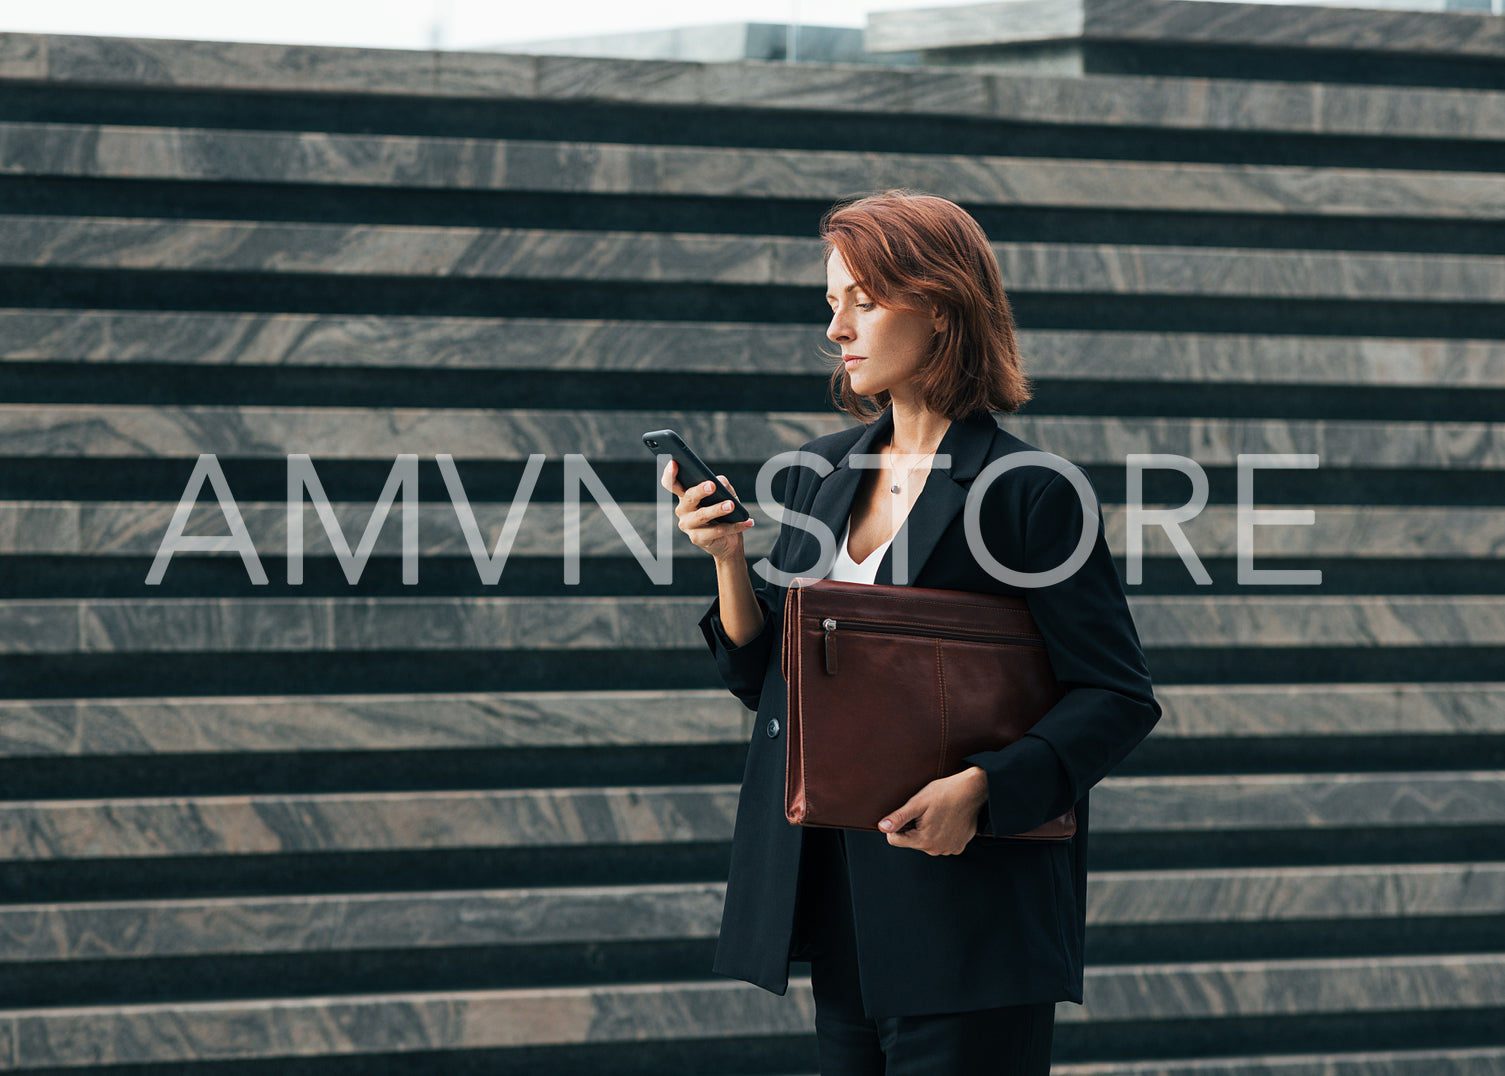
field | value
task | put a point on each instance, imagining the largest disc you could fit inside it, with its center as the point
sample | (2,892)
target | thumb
(895,821)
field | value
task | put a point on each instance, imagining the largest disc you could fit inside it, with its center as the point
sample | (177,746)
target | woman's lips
(852,360)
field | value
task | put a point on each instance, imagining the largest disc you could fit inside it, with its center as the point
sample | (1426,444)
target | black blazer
(1003,922)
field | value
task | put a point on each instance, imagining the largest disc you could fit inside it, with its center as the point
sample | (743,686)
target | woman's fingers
(713,512)
(670,479)
(703,526)
(935,820)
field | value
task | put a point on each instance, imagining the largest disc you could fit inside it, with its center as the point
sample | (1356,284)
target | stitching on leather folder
(940,675)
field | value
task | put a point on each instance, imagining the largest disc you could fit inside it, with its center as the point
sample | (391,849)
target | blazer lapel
(967,442)
(833,499)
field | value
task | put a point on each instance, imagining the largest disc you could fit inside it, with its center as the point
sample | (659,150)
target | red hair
(918,252)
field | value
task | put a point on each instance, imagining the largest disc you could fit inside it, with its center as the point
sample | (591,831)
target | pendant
(894,488)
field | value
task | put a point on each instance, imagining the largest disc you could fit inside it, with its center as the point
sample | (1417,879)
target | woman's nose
(839,329)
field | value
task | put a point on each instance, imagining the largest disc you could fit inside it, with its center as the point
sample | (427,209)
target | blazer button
(773,728)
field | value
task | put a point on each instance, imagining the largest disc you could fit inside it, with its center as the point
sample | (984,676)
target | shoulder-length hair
(918,252)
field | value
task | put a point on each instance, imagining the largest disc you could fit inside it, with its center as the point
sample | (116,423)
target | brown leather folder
(891,687)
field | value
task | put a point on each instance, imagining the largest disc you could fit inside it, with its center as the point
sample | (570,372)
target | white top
(847,570)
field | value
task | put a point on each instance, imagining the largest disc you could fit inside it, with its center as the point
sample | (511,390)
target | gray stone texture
(148,625)
(367,921)
(363,822)
(422,251)
(139,528)
(355,160)
(1188,22)
(43,430)
(289,724)
(355,1025)
(125,930)
(1188,103)
(108,336)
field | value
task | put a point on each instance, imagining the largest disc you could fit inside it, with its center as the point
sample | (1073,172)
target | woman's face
(882,348)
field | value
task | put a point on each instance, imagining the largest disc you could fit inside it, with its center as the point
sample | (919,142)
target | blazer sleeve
(1108,706)
(742,667)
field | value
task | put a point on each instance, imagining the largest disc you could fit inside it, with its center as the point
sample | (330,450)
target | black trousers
(1010,1041)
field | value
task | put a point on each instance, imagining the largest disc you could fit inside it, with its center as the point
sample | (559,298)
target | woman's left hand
(940,818)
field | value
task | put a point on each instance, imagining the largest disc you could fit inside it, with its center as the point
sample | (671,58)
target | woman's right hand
(721,540)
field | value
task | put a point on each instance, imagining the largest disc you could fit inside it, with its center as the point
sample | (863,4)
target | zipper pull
(830,625)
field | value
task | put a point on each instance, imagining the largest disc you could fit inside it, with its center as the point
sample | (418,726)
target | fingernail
(885,825)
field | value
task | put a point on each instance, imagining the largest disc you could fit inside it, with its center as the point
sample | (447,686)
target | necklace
(898,488)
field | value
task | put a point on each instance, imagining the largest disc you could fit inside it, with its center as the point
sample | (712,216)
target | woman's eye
(866,306)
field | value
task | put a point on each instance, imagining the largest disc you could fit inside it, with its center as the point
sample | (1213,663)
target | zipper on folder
(878,627)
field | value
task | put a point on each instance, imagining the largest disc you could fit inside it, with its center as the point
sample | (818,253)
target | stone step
(620,1016)
(1223,804)
(604,915)
(364,822)
(1460,891)
(1289,988)
(48,431)
(420,162)
(147,625)
(1480,1061)
(282,724)
(601,915)
(1183,23)
(1233,105)
(238,826)
(1250,711)
(458,253)
(651,1013)
(137,529)
(322,340)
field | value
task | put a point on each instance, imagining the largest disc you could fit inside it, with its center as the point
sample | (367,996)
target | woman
(931,951)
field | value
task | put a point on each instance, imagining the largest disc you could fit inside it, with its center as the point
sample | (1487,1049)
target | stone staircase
(450,827)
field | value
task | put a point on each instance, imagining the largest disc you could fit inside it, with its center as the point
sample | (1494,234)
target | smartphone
(693,471)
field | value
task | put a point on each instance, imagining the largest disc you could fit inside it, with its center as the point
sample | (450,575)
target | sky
(411,24)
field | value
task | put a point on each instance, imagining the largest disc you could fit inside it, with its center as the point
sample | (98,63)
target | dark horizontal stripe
(1296,1034)
(1317,664)
(1351,65)
(750,1056)
(315,973)
(1266,399)
(93,289)
(369,113)
(1327,484)
(1234,754)
(361,481)
(217,576)
(359,872)
(72,196)
(126,674)
(224,576)
(166,384)
(1316,847)
(407,770)
(1301,940)
(734,389)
